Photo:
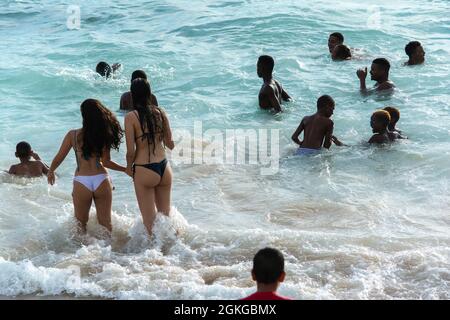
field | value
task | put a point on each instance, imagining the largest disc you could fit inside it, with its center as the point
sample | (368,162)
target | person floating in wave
(268,272)
(126,101)
(272,93)
(394,113)
(334,40)
(379,122)
(415,52)
(341,52)
(379,72)
(318,129)
(105,70)
(27,167)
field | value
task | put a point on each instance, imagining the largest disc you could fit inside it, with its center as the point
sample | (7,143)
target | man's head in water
(341,52)
(325,106)
(268,267)
(379,70)
(23,150)
(104,69)
(380,121)
(415,52)
(264,67)
(334,39)
(138,74)
(394,113)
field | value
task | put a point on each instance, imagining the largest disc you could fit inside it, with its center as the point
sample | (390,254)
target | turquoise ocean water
(353,223)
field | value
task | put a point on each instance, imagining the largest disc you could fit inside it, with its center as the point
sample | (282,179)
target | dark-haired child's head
(394,113)
(268,266)
(325,105)
(341,52)
(138,74)
(380,69)
(380,121)
(335,39)
(415,52)
(265,66)
(23,150)
(104,69)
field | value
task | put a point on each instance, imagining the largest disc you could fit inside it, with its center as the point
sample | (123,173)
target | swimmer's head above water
(105,70)
(335,39)
(380,121)
(415,52)
(325,106)
(341,52)
(395,116)
(23,150)
(265,66)
(379,70)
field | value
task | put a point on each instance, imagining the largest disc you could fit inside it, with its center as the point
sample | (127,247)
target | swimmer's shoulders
(386,86)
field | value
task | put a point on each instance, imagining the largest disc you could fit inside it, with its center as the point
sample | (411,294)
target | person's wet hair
(342,52)
(23,149)
(103,69)
(338,36)
(382,116)
(267,62)
(394,114)
(324,101)
(383,63)
(268,265)
(138,74)
(141,94)
(101,129)
(411,47)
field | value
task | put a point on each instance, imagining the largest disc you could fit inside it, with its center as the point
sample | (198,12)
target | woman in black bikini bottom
(148,133)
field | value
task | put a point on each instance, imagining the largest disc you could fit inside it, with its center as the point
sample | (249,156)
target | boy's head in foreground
(394,113)
(268,267)
(325,106)
(23,151)
(380,121)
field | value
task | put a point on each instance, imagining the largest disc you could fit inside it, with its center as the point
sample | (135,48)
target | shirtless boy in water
(318,128)
(395,116)
(379,122)
(105,70)
(272,93)
(379,72)
(26,167)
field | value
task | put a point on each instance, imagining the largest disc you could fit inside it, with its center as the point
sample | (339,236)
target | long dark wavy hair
(141,94)
(101,129)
